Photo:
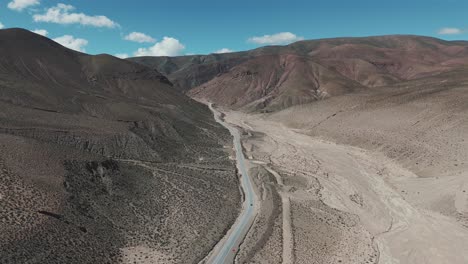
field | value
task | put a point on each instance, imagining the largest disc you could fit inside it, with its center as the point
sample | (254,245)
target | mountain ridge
(375,61)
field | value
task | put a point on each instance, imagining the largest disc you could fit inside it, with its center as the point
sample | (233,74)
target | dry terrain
(103,161)
(373,177)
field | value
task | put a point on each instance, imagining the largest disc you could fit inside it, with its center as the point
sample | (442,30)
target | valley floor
(322,202)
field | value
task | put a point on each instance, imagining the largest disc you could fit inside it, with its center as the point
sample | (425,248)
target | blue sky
(206,26)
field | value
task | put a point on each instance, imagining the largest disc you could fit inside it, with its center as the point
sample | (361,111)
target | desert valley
(341,150)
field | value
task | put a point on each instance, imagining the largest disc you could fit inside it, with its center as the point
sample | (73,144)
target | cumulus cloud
(275,39)
(62,14)
(42,32)
(122,55)
(166,47)
(449,31)
(71,42)
(19,5)
(1,25)
(224,50)
(139,37)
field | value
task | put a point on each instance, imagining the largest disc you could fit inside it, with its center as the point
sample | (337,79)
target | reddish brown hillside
(276,77)
(274,82)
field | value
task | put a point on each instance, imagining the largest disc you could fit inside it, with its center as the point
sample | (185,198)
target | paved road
(227,248)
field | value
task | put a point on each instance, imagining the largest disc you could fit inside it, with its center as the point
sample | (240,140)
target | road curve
(227,248)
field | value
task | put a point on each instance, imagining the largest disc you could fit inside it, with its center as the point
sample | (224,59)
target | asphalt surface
(227,248)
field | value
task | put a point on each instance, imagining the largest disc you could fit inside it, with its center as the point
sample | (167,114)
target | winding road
(226,250)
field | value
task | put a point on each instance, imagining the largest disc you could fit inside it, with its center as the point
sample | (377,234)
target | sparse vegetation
(102,161)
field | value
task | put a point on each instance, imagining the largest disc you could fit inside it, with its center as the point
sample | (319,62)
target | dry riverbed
(329,203)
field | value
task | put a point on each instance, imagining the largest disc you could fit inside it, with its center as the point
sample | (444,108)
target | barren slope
(101,160)
(274,82)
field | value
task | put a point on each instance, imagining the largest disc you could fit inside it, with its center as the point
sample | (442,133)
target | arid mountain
(88,146)
(275,82)
(272,78)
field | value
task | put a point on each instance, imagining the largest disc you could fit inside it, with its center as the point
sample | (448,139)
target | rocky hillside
(102,160)
(276,77)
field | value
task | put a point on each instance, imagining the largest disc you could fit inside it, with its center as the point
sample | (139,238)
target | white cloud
(71,42)
(122,55)
(139,37)
(166,47)
(278,38)
(61,14)
(224,50)
(449,31)
(1,25)
(42,32)
(19,5)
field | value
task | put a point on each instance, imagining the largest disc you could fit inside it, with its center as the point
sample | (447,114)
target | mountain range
(276,77)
